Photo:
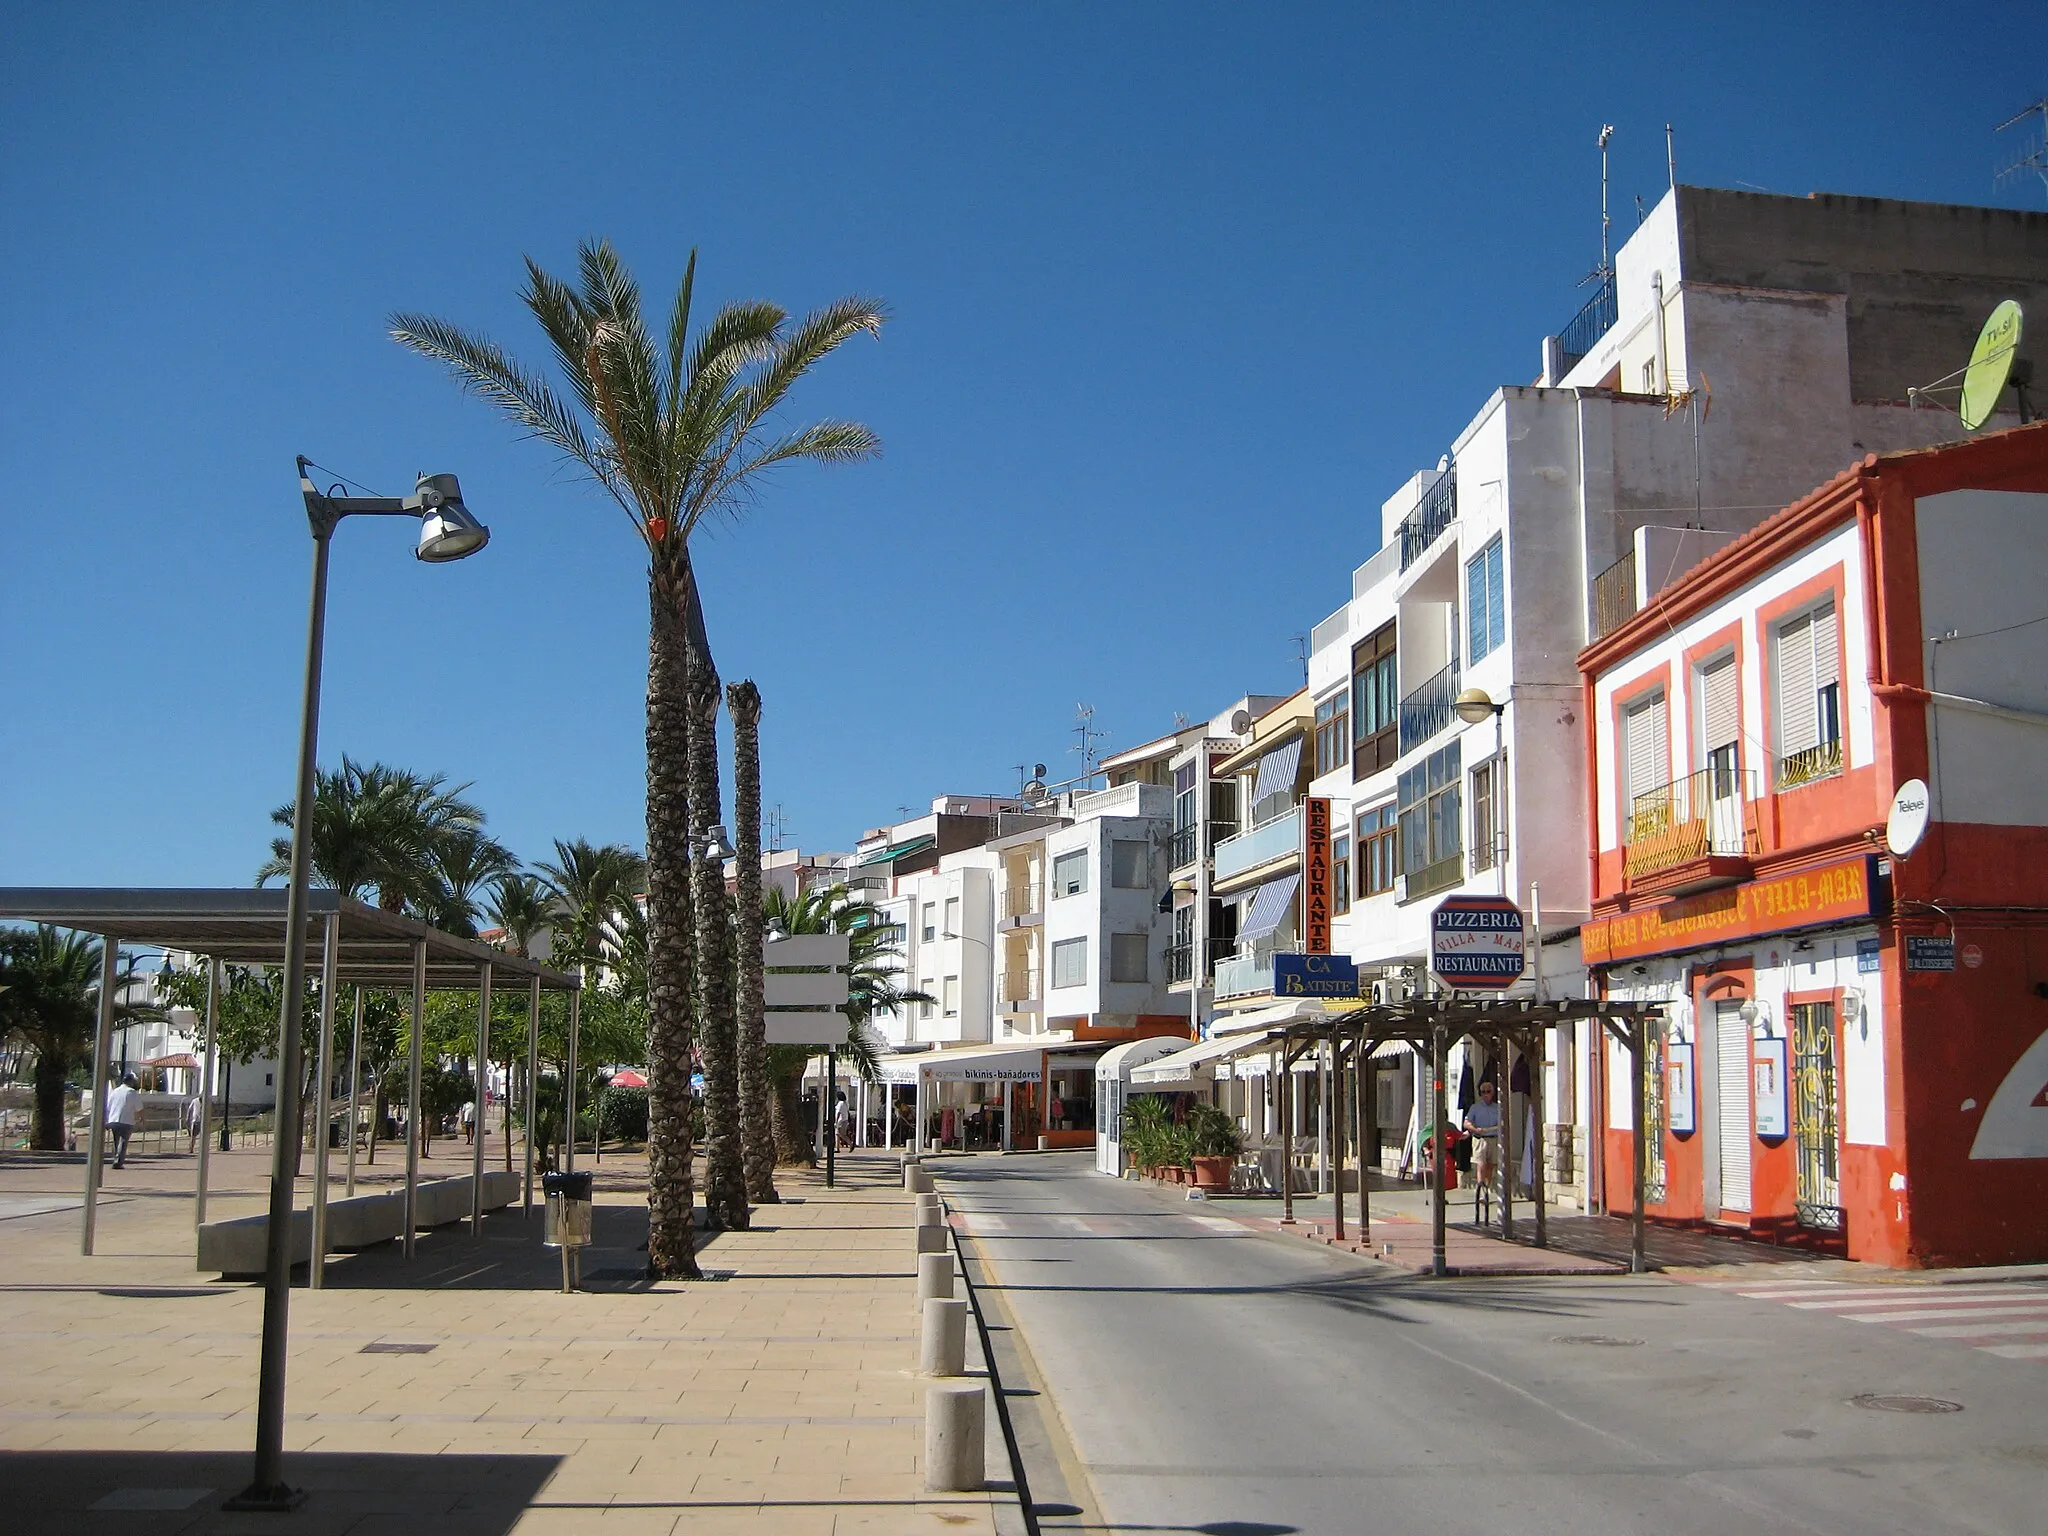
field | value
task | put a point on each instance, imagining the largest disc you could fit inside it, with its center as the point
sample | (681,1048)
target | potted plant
(1146,1128)
(1213,1145)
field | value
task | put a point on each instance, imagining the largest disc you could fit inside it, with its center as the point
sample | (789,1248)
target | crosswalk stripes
(2005,1319)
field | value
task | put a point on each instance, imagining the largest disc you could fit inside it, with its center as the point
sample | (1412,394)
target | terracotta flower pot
(1212,1173)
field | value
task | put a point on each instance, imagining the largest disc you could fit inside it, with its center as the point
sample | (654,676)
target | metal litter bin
(568,1220)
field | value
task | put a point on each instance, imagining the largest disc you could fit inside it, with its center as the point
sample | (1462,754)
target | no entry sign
(1476,941)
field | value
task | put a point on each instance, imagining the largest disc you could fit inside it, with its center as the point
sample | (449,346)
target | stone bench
(236,1247)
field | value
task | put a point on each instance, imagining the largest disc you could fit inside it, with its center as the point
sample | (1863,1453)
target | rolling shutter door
(1731,1048)
(1648,746)
(1798,710)
(1721,707)
(1825,668)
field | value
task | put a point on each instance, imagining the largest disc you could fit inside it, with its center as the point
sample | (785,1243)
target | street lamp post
(447,532)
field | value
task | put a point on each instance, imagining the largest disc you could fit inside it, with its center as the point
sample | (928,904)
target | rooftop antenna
(1670,159)
(778,828)
(1085,738)
(1606,133)
(2033,155)
(1180,721)
(1301,655)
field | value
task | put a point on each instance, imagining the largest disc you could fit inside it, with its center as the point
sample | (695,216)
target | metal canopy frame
(345,942)
(1429,1025)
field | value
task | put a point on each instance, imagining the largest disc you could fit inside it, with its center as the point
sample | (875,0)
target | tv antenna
(2033,154)
(1301,655)
(778,828)
(1086,736)
(1606,269)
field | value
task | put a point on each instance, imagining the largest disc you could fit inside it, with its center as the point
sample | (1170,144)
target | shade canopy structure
(245,926)
(1195,1063)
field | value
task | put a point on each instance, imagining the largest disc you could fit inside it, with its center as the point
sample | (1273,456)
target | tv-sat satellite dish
(1991,365)
(1240,722)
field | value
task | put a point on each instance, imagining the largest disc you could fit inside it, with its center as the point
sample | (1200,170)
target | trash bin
(568,1209)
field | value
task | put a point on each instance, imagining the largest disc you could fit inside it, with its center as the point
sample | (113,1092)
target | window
(1333,733)
(931,928)
(1489,816)
(1379,844)
(1130,864)
(1375,704)
(1486,601)
(929,1006)
(1431,822)
(1809,712)
(1340,874)
(1128,957)
(949,994)
(894,936)
(952,915)
(1070,963)
(1720,734)
(1646,765)
(1070,873)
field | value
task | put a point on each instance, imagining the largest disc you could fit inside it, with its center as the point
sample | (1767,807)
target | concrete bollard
(920,1181)
(934,1278)
(934,1239)
(942,1345)
(910,1177)
(931,1211)
(934,1200)
(955,1420)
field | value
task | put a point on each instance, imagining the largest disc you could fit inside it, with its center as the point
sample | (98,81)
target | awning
(181,1059)
(1120,1061)
(1196,1063)
(1273,1015)
(1277,769)
(1271,905)
(1020,1062)
(896,851)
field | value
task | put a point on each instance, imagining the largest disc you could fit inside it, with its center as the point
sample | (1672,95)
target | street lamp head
(447,530)
(717,843)
(1474,705)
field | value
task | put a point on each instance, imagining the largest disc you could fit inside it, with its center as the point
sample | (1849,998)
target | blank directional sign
(805,989)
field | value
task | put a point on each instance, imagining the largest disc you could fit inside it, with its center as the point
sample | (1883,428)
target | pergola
(344,942)
(1430,1025)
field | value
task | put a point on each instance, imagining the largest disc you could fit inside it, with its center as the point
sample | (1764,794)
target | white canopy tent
(1114,1075)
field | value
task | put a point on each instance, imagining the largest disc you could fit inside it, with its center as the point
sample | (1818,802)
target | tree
(757,1133)
(871,990)
(387,830)
(520,906)
(466,863)
(674,431)
(587,886)
(50,1001)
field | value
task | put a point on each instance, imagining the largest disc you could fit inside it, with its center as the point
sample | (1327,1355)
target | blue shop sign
(1314,976)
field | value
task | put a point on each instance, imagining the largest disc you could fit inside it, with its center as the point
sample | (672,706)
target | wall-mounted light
(1853,1012)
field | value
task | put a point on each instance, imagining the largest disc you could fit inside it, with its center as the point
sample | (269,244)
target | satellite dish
(1034,791)
(1240,722)
(1907,823)
(1991,361)
(1038,772)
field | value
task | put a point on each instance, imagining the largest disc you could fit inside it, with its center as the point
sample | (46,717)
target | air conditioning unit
(1389,992)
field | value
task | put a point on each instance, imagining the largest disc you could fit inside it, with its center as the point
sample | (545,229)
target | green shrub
(1212,1133)
(623,1113)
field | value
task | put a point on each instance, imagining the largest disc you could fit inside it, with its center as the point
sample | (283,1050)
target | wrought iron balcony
(1180,848)
(1429,709)
(1821,762)
(1436,512)
(1594,320)
(1180,962)
(1693,833)
(1023,899)
(1614,595)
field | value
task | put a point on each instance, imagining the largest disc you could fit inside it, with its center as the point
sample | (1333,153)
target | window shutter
(1475,608)
(1721,708)
(1798,709)
(1648,746)
(1496,593)
(1825,670)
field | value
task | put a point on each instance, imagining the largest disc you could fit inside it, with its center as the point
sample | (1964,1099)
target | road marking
(2018,1351)
(1980,1330)
(1800,1298)
(1945,1297)
(2037,1309)
(1977,1314)
(1221,1224)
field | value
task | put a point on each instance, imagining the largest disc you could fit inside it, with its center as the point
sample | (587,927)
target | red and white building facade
(1855,1057)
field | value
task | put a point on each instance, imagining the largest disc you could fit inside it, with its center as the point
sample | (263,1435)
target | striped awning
(1276,770)
(1270,906)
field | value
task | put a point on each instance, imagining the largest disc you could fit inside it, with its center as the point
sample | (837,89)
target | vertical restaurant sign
(1315,875)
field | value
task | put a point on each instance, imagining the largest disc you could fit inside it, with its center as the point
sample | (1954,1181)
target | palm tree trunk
(49,1080)
(671,1246)
(725,1178)
(757,1135)
(794,1146)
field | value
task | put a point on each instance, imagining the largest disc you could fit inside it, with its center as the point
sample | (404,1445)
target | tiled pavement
(781,1399)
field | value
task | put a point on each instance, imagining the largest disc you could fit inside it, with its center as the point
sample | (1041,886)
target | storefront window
(1818,1197)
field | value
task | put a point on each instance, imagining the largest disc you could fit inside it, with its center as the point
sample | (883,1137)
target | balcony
(1422,527)
(1022,903)
(1180,959)
(1180,848)
(1126,800)
(1275,840)
(1614,595)
(1245,975)
(1692,834)
(1017,991)
(1429,709)
(1431,878)
(1594,320)
(1815,763)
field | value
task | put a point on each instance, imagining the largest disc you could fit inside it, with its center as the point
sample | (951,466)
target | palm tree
(588,885)
(871,990)
(521,908)
(757,1134)
(386,830)
(50,1000)
(466,862)
(675,431)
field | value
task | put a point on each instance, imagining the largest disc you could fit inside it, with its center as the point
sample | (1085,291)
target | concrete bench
(235,1247)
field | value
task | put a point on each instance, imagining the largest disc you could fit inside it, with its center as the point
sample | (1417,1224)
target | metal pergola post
(1538,1184)
(323,1110)
(569,1083)
(1637,1027)
(1438,1264)
(831,1113)
(481,1116)
(1286,1091)
(1504,1071)
(102,1045)
(355,1088)
(1333,1108)
(206,1075)
(532,1088)
(412,1096)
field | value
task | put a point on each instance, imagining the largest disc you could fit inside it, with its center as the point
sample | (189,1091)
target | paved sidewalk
(780,1399)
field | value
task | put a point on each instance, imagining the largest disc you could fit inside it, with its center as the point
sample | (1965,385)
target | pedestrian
(842,1123)
(469,1122)
(193,1115)
(123,1105)
(1482,1123)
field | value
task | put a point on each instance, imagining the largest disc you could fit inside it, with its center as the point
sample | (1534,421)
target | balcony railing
(1594,320)
(1821,762)
(1180,848)
(1018,986)
(1614,595)
(1422,527)
(1701,816)
(1023,899)
(1431,878)
(1276,839)
(1243,975)
(1429,709)
(1180,958)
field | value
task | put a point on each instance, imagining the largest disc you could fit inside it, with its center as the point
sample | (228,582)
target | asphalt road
(1214,1380)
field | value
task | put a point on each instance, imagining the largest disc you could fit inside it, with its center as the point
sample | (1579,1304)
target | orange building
(1856,1050)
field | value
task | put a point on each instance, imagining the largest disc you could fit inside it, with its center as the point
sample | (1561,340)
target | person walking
(1482,1123)
(193,1115)
(469,1122)
(124,1104)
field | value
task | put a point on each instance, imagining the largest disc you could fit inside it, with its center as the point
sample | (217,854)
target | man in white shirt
(1482,1123)
(124,1104)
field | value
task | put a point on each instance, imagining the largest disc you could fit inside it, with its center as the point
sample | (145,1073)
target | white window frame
(1062,949)
(1074,858)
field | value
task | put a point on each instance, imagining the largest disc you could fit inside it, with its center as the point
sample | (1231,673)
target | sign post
(1477,942)
(805,989)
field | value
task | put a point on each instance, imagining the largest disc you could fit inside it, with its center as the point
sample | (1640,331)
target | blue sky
(1180,293)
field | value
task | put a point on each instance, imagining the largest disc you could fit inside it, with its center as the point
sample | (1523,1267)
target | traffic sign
(805,988)
(1477,942)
